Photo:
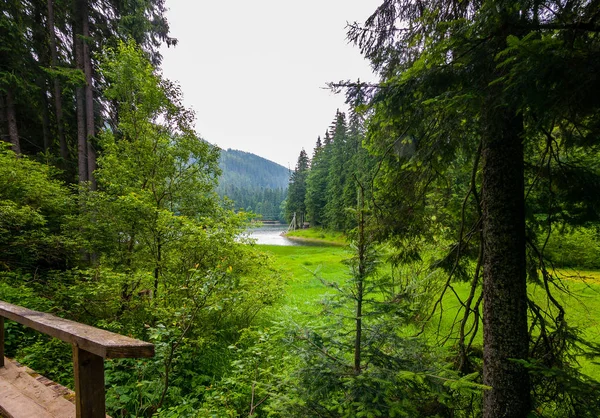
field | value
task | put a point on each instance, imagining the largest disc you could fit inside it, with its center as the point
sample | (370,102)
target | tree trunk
(3,122)
(81,142)
(11,119)
(362,249)
(504,286)
(80,94)
(89,96)
(45,117)
(64,151)
(157,266)
(40,47)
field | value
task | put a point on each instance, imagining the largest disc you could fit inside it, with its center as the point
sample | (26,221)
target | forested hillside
(253,183)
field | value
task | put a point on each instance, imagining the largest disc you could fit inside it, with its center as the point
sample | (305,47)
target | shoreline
(313,240)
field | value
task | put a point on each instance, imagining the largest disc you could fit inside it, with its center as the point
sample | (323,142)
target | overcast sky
(255,71)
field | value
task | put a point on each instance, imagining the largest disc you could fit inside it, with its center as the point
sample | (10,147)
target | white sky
(254,71)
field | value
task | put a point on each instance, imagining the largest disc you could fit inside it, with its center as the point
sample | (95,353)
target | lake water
(271,235)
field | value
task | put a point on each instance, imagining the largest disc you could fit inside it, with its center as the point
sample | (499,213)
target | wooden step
(23,394)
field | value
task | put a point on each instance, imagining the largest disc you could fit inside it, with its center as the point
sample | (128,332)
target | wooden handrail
(90,347)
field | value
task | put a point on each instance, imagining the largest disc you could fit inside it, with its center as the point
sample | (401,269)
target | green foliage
(167,250)
(337,175)
(398,374)
(458,84)
(50,355)
(151,253)
(13,290)
(33,207)
(340,164)
(572,394)
(265,202)
(259,360)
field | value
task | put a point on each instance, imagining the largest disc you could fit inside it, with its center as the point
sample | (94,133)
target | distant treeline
(322,188)
(254,184)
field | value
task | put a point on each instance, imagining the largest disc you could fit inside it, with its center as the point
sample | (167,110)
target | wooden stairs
(26,394)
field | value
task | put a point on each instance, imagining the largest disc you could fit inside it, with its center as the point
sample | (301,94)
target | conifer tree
(316,182)
(50,91)
(482,82)
(295,206)
(337,174)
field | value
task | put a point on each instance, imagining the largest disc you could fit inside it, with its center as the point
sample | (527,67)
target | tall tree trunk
(80,92)
(360,282)
(45,117)
(11,119)
(40,46)
(64,151)
(504,286)
(3,121)
(89,96)
(81,142)
(158,264)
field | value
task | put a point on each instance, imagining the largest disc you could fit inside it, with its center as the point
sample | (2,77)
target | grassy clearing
(318,235)
(303,266)
(580,298)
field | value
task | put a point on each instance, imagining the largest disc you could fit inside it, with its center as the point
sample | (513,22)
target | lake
(271,235)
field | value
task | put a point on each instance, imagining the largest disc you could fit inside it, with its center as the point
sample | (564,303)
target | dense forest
(467,182)
(253,183)
(108,209)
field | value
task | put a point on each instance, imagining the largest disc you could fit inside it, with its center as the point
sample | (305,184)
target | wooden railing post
(89,384)
(90,347)
(1,341)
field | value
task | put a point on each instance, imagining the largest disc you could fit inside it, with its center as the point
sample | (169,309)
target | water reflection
(271,235)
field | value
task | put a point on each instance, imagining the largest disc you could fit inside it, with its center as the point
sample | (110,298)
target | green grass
(303,266)
(579,295)
(318,235)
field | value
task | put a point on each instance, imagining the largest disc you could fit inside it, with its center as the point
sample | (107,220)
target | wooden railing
(90,347)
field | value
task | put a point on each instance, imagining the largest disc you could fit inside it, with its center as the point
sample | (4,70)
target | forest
(466,183)
(253,184)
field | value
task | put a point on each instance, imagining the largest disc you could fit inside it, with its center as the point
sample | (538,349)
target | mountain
(253,183)
(249,170)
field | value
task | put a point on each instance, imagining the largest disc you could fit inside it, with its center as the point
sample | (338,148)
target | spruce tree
(295,206)
(492,84)
(316,183)
(337,174)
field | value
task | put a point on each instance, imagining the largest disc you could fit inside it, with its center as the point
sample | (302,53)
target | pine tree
(462,84)
(335,210)
(295,206)
(49,85)
(316,182)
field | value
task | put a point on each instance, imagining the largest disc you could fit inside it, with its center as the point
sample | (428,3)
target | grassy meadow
(304,268)
(318,235)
